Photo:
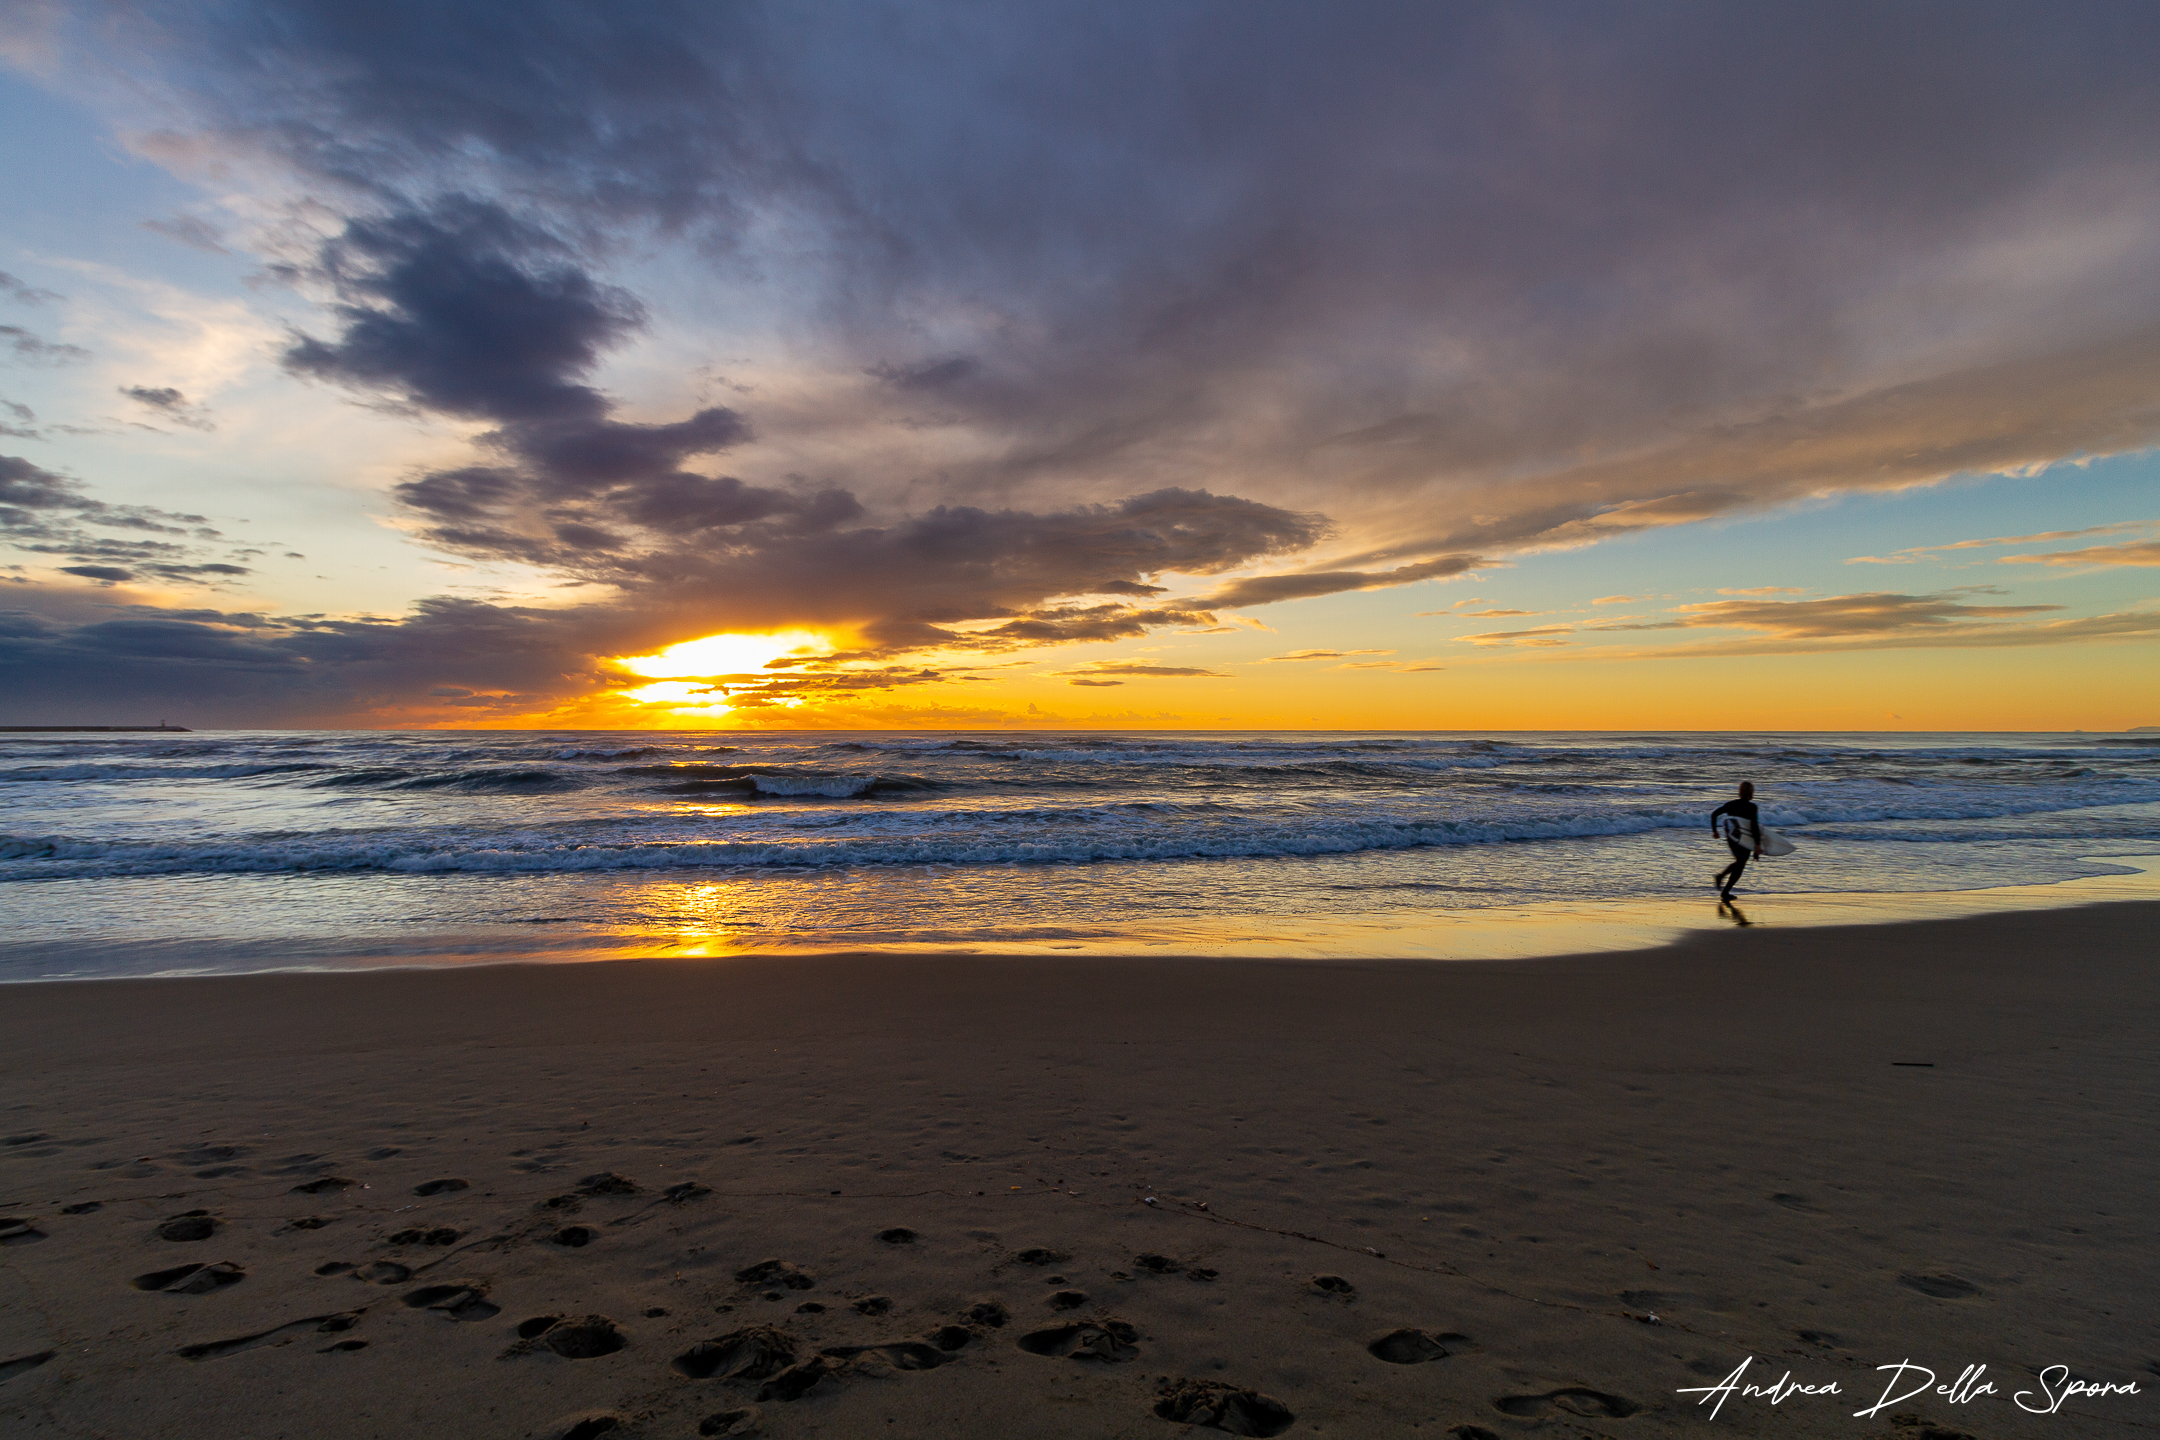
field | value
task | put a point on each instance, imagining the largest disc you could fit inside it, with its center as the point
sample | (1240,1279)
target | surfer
(1741,826)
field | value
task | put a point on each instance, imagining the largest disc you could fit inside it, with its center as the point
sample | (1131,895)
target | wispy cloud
(2144,552)
(1273,589)
(1546,636)
(1917,553)
(1476,614)
(1875,621)
(1100,668)
(1320,655)
(1848,615)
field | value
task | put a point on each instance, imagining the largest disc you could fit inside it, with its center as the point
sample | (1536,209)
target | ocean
(237,851)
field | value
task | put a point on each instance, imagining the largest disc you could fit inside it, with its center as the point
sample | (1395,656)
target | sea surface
(239,851)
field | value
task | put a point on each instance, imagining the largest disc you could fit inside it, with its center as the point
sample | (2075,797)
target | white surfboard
(1775,844)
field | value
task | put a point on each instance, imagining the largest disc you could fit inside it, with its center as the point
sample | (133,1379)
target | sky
(1239,365)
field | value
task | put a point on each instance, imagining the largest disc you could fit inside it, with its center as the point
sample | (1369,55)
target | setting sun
(678,667)
(725,654)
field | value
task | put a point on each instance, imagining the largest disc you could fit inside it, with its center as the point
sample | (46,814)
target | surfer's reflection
(1737,915)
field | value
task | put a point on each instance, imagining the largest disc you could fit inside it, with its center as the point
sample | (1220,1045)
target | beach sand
(1393,1197)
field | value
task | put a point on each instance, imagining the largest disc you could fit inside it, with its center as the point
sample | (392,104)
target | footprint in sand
(441,1235)
(308,1222)
(1574,1400)
(15,1230)
(1228,1408)
(743,1421)
(897,1235)
(796,1381)
(687,1191)
(191,1279)
(755,1353)
(589,1427)
(873,1305)
(323,1186)
(458,1301)
(607,1182)
(574,1237)
(381,1272)
(278,1335)
(1068,1300)
(1041,1256)
(21,1364)
(1412,1347)
(775,1272)
(584,1339)
(84,1207)
(900,1354)
(1334,1285)
(194,1225)
(433,1187)
(1164,1265)
(1110,1341)
(987,1312)
(1942,1287)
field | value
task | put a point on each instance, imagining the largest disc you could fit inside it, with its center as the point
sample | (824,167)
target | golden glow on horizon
(683,671)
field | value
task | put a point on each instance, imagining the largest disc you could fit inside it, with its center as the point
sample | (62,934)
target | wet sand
(908,1195)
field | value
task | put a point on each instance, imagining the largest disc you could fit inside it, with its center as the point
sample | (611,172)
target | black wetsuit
(1751,826)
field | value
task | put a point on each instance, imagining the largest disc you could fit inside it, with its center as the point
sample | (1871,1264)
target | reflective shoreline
(1507,932)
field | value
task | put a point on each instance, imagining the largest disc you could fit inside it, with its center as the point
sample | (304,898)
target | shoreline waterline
(1552,930)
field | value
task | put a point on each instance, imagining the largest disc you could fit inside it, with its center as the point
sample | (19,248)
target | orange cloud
(1545,636)
(2143,552)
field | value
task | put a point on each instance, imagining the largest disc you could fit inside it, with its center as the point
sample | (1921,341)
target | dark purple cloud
(465,310)
(169,404)
(23,292)
(31,349)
